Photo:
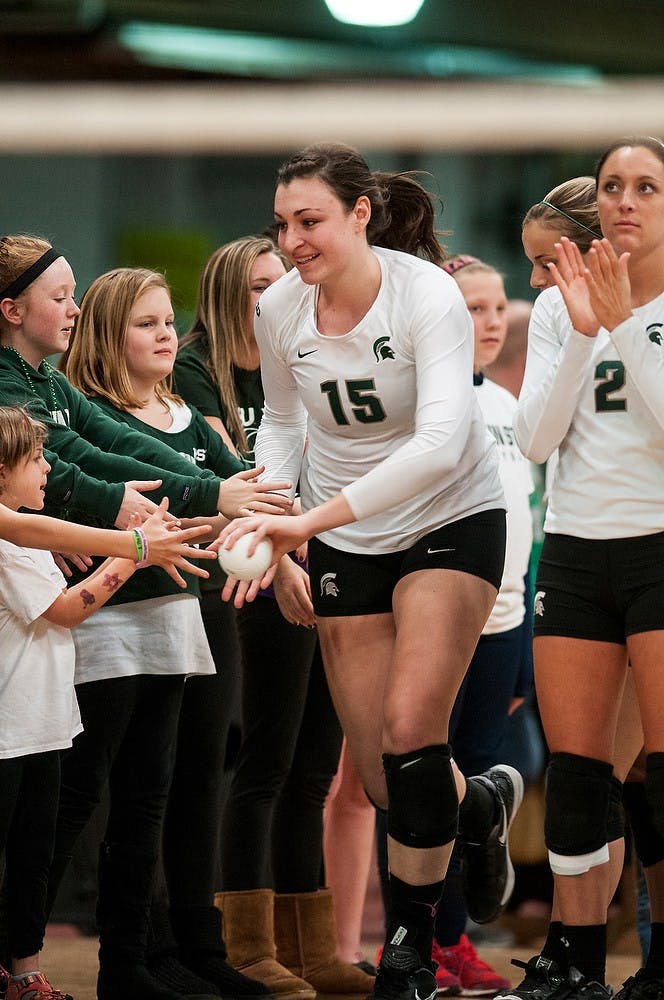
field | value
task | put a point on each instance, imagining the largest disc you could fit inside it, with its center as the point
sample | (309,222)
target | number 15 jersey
(388,409)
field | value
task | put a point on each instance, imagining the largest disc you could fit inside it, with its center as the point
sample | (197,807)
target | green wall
(100,210)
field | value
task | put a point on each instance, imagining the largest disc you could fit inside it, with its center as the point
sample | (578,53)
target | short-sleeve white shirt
(38,707)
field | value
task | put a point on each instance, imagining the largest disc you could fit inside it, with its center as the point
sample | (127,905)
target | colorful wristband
(142,547)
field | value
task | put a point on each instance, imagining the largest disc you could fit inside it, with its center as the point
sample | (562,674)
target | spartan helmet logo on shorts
(382,349)
(328,587)
(654,332)
(539,603)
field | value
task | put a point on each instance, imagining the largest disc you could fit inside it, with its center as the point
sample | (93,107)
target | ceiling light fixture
(374,13)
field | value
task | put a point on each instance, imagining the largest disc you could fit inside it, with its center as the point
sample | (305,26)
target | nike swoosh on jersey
(433,551)
(304,354)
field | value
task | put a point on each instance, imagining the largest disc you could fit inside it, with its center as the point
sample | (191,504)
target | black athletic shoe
(543,978)
(488,875)
(639,987)
(402,975)
(580,988)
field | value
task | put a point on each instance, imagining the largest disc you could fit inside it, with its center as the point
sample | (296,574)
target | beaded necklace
(48,371)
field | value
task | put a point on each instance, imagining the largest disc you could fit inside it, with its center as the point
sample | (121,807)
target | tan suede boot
(248,931)
(306,938)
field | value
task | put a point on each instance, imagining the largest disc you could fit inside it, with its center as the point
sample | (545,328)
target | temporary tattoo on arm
(87,598)
(111,581)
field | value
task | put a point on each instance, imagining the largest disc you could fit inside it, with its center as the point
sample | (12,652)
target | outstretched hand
(242,495)
(133,501)
(167,544)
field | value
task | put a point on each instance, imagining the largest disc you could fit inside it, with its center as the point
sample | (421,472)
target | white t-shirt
(38,708)
(498,406)
(599,400)
(163,635)
(388,409)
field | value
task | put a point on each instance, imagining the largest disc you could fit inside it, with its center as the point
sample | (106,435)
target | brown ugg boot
(248,930)
(306,938)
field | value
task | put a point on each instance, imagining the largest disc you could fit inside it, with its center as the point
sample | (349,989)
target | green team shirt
(194,383)
(200,446)
(92,455)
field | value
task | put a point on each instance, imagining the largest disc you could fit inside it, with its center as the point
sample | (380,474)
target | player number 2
(612,374)
(365,405)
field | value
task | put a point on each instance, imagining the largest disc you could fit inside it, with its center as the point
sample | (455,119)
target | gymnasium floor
(70,961)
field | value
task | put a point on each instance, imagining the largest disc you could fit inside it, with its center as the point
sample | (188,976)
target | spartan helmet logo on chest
(382,350)
(654,332)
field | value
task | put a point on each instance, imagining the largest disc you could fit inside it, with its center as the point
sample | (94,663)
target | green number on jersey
(365,404)
(612,374)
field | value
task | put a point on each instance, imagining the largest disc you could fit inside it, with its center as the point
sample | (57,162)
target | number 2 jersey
(600,401)
(388,410)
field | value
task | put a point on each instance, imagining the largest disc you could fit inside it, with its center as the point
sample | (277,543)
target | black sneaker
(542,979)
(402,975)
(580,988)
(488,875)
(639,987)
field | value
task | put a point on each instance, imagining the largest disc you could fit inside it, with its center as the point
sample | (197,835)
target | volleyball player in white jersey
(368,352)
(592,389)
(570,209)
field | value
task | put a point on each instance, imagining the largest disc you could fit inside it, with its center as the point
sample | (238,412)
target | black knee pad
(615,824)
(423,806)
(648,843)
(577,807)
(654,783)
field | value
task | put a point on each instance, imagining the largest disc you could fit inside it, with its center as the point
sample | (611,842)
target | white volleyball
(237,563)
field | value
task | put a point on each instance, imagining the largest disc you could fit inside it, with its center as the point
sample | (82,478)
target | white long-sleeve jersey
(388,409)
(600,401)
(498,406)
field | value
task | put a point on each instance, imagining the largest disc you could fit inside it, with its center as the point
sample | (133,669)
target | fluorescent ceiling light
(374,13)
(241,54)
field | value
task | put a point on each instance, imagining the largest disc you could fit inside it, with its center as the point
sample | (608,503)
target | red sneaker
(448,984)
(34,986)
(476,977)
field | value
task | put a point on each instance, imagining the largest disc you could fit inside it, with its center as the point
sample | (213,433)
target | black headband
(19,284)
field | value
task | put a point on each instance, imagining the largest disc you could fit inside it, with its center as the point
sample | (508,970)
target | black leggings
(273,825)
(128,742)
(193,816)
(29,789)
